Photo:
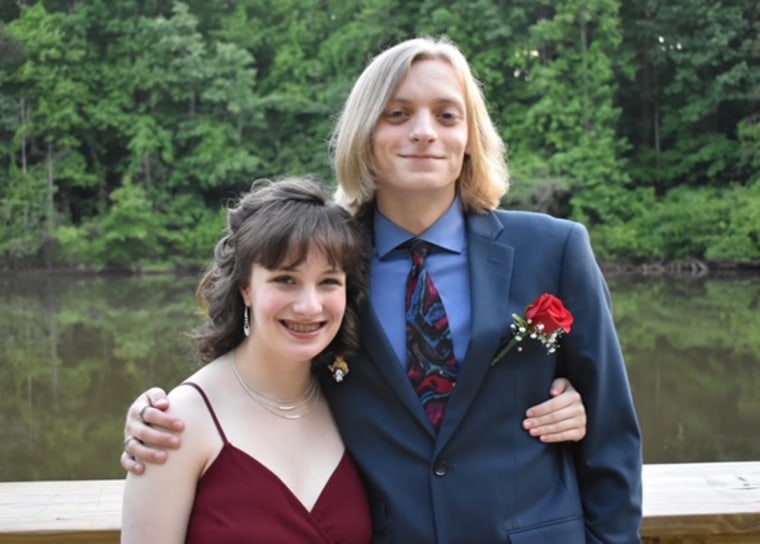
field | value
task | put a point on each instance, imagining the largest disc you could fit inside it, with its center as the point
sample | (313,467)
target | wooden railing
(694,503)
(698,503)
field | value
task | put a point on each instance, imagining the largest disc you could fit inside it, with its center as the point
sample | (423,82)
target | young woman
(262,459)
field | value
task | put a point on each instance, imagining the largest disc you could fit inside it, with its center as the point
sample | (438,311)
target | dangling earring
(246,324)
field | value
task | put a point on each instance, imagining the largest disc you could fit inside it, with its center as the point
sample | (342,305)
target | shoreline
(692,268)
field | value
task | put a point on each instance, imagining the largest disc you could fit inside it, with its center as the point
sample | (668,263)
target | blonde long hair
(485,176)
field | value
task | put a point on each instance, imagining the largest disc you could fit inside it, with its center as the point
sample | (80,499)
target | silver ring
(126,442)
(142,413)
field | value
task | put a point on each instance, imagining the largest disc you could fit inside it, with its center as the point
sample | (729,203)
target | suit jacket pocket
(567,531)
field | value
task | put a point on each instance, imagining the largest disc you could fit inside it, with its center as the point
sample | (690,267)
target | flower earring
(339,368)
(246,324)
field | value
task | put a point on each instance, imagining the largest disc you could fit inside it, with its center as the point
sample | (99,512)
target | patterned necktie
(432,364)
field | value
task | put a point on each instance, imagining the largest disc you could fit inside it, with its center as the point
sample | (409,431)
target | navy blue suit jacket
(482,478)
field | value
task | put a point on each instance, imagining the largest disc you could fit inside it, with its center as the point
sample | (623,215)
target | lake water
(76,350)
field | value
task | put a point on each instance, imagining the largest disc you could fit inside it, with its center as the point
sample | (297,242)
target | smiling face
(420,139)
(295,311)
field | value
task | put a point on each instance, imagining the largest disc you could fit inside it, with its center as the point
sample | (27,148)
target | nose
(307,302)
(423,127)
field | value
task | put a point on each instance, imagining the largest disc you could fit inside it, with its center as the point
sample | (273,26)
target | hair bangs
(289,241)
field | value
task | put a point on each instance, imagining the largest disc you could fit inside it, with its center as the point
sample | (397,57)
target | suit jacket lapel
(381,354)
(490,274)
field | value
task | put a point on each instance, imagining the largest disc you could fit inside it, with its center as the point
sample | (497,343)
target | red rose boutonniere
(546,320)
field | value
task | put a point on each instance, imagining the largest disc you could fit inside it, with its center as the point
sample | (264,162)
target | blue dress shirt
(447,264)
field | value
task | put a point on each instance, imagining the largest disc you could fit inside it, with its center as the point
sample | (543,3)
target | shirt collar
(447,233)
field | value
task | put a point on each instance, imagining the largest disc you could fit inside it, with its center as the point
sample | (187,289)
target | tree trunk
(47,243)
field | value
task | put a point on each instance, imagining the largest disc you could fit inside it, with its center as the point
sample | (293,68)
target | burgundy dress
(240,500)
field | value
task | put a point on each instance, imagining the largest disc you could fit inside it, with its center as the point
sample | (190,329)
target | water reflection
(76,350)
(693,351)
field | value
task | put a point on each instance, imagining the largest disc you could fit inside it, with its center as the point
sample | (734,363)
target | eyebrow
(442,100)
(332,270)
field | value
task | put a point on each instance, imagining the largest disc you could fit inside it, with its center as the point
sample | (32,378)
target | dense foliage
(126,124)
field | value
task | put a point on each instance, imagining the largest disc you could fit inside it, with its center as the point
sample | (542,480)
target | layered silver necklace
(296,408)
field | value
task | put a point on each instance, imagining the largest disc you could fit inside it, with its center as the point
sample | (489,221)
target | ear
(245,292)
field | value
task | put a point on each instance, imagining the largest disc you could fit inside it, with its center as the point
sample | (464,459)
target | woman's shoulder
(192,401)
(192,398)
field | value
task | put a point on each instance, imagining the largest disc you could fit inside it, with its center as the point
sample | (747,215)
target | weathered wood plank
(84,511)
(702,499)
(691,503)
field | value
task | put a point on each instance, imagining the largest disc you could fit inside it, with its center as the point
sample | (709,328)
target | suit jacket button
(440,468)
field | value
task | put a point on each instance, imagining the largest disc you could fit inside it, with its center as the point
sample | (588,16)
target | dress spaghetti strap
(210,409)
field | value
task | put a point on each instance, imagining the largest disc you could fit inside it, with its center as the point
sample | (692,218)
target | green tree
(698,73)
(572,118)
(52,97)
(125,237)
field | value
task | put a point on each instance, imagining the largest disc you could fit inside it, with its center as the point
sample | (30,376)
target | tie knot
(420,248)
